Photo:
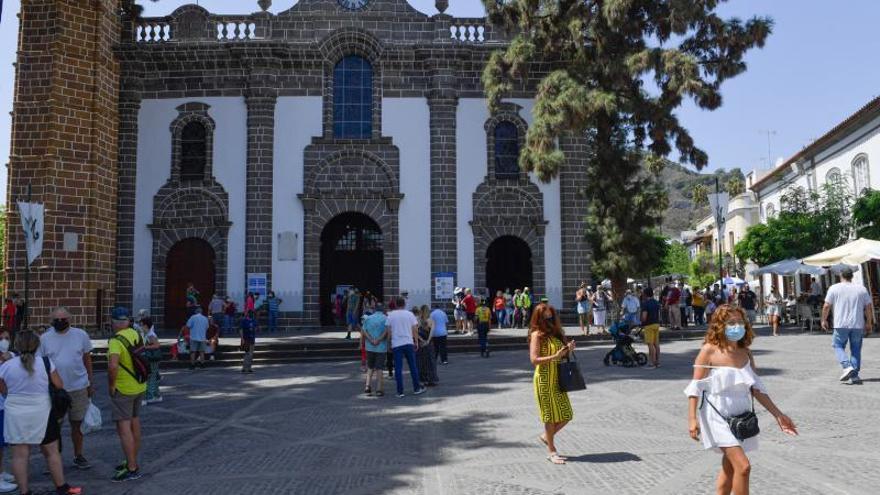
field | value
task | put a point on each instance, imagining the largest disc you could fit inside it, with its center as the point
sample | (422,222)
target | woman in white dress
(774,312)
(725,379)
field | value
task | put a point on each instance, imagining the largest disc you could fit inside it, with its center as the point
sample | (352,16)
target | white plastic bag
(92,420)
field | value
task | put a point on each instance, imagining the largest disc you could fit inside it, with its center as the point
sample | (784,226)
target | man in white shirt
(853,318)
(631,308)
(70,349)
(404,329)
(198,338)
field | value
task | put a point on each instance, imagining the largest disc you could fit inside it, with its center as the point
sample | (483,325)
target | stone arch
(348,171)
(191,22)
(319,212)
(507,112)
(190,205)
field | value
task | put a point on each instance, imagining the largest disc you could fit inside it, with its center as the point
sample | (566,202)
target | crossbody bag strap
(127,344)
(707,401)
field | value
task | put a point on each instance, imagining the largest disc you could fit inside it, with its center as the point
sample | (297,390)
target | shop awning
(853,253)
(788,268)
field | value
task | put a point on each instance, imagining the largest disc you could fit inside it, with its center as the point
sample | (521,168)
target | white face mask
(4,345)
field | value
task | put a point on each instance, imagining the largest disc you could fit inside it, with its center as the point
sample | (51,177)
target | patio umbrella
(853,253)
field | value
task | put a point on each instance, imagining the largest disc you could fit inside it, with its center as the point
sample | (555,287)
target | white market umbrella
(853,253)
(788,268)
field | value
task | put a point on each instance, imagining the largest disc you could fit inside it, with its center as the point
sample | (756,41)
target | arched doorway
(508,264)
(190,260)
(351,255)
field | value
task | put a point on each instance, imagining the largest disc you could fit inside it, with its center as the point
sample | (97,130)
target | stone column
(129,106)
(261,139)
(442,104)
(575,252)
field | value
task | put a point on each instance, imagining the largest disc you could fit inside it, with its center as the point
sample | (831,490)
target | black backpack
(139,361)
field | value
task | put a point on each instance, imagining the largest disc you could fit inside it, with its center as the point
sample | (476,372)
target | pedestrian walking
(215,309)
(499,309)
(126,393)
(29,418)
(853,319)
(197,325)
(699,303)
(484,322)
(274,305)
(547,347)
(748,301)
(458,311)
(426,358)
(631,308)
(404,329)
(352,315)
(229,309)
(70,349)
(725,385)
(154,356)
(439,322)
(376,336)
(582,302)
(600,306)
(470,309)
(7,480)
(527,305)
(248,341)
(673,299)
(774,309)
(650,319)
(509,308)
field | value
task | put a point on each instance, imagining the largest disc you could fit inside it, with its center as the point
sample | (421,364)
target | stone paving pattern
(306,429)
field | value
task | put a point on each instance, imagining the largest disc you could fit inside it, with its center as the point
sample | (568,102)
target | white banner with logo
(32,221)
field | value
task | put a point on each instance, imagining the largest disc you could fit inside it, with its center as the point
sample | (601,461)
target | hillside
(680,181)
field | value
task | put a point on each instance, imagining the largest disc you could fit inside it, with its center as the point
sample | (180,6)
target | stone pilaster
(129,106)
(575,252)
(442,105)
(261,139)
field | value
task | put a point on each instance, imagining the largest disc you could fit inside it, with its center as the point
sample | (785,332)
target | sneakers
(847,372)
(144,403)
(420,391)
(80,462)
(7,486)
(7,477)
(126,475)
(154,400)
(444,362)
(400,396)
(855,380)
(66,489)
(368,391)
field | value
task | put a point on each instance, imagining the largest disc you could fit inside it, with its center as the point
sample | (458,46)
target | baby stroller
(623,353)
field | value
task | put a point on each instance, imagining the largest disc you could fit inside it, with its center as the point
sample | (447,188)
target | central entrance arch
(190,260)
(508,264)
(351,254)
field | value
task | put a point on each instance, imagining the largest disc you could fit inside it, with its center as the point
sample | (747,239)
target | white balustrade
(236,30)
(468,33)
(153,32)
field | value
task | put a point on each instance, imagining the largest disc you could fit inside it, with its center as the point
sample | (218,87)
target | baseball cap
(120,313)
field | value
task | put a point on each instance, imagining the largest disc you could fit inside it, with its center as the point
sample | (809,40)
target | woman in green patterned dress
(546,347)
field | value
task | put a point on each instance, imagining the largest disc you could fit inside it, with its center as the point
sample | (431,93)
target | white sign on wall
(444,284)
(32,222)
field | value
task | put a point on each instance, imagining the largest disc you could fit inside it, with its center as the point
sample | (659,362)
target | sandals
(556,459)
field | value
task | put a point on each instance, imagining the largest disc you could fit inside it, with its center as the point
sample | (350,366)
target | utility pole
(719,222)
(769,132)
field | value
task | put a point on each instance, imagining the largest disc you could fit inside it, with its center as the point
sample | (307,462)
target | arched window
(506,150)
(193,151)
(861,179)
(353,98)
(833,176)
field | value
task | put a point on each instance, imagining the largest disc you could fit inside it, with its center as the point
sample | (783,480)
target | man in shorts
(126,393)
(197,325)
(70,349)
(651,326)
(376,336)
(458,311)
(470,309)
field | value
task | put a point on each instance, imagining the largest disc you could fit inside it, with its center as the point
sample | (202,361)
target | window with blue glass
(506,150)
(353,98)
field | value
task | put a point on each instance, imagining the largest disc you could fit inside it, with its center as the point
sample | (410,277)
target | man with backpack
(127,372)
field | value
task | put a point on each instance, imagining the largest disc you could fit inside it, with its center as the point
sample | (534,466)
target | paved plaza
(306,429)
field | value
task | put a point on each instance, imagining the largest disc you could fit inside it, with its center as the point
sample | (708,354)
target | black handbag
(743,425)
(570,377)
(61,400)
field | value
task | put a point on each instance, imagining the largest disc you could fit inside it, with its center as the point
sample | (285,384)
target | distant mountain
(682,214)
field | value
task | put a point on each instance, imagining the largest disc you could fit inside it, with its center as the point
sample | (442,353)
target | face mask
(4,345)
(60,325)
(735,332)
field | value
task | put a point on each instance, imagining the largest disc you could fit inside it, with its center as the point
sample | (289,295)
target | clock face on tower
(353,4)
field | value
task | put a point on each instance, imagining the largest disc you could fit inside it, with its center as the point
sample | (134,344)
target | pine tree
(616,70)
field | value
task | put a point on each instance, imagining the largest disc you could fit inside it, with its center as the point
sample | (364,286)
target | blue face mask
(735,332)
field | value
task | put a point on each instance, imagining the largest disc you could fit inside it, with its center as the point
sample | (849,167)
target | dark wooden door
(190,260)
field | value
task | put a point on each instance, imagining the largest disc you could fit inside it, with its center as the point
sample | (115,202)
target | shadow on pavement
(607,457)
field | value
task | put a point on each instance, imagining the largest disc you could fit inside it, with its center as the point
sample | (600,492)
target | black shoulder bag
(570,377)
(61,400)
(743,425)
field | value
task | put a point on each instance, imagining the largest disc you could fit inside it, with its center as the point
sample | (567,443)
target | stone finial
(264,4)
(441,5)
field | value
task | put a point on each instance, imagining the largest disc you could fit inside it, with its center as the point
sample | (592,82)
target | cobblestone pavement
(306,429)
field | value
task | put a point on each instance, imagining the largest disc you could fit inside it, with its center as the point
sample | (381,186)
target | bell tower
(64,145)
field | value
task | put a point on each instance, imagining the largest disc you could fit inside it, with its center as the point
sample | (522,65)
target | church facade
(339,143)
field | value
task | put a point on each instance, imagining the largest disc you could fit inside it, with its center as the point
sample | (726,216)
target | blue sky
(818,67)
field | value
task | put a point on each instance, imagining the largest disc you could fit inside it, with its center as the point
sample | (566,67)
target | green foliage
(703,270)
(735,187)
(809,222)
(866,215)
(700,195)
(677,259)
(601,57)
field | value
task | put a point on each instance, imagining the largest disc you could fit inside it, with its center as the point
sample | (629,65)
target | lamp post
(718,203)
